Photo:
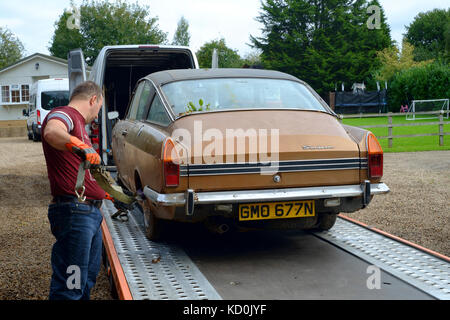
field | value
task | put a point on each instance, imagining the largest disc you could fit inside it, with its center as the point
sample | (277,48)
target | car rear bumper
(190,198)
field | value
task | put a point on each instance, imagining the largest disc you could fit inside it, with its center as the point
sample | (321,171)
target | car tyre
(326,221)
(153,226)
(35,135)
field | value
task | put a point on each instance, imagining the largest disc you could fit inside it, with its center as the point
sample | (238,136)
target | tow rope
(123,201)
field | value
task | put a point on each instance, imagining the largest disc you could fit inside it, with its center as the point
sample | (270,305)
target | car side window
(147,92)
(132,112)
(158,113)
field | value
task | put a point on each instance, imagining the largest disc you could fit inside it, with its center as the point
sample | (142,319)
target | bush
(419,83)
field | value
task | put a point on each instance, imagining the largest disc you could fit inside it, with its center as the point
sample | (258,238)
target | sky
(33,21)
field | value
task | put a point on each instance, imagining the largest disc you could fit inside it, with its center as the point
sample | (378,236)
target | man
(76,254)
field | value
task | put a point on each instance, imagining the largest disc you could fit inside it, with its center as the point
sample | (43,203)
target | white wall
(23,74)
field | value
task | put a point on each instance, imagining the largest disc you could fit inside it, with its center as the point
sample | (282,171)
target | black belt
(95,203)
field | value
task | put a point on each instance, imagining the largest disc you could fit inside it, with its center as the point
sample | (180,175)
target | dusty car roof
(163,77)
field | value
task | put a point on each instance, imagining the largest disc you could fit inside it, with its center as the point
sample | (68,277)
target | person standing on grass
(76,254)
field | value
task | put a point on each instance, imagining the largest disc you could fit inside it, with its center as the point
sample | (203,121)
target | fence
(390,125)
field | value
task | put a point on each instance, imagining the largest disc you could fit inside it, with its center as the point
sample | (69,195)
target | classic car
(242,148)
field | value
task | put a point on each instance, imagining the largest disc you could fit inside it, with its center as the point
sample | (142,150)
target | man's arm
(56,135)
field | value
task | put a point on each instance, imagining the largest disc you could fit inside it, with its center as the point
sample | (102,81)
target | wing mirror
(25,112)
(113,115)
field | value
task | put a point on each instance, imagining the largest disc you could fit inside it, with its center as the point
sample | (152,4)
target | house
(17,79)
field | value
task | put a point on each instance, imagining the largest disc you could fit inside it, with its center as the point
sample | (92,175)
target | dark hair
(85,91)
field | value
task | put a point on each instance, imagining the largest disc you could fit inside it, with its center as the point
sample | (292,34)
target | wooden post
(390,130)
(441,129)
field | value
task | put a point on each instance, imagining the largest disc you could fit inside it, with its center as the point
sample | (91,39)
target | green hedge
(419,83)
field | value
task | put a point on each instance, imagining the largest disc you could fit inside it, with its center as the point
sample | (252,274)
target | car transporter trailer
(341,263)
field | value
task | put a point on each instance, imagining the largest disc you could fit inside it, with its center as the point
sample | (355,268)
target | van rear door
(77,69)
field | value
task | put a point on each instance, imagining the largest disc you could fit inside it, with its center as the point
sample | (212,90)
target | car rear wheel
(153,226)
(326,221)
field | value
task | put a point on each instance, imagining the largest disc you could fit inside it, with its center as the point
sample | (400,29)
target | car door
(76,68)
(128,132)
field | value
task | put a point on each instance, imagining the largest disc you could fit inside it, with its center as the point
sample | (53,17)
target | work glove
(87,153)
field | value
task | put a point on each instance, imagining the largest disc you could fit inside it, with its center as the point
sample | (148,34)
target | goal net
(418,106)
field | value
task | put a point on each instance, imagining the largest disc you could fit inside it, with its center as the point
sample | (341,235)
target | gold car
(242,148)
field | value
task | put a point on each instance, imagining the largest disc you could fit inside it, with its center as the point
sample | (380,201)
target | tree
(419,83)
(182,36)
(228,58)
(103,23)
(392,61)
(252,60)
(429,34)
(11,49)
(321,41)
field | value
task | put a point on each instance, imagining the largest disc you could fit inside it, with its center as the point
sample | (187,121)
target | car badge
(317,147)
(276,178)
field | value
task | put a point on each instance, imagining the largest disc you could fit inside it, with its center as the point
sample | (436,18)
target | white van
(116,70)
(44,96)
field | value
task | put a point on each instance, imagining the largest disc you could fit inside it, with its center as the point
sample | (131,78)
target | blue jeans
(76,254)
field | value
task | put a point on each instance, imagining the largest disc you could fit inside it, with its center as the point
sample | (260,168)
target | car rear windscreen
(54,99)
(239,93)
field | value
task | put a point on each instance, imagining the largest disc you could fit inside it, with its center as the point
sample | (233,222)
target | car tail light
(375,157)
(171,165)
(38,117)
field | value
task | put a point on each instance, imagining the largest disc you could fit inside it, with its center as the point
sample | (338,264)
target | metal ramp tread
(155,271)
(420,269)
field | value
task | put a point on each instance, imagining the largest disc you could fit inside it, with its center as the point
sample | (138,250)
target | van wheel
(35,135)
(326,221)
(30,136)
(153,226)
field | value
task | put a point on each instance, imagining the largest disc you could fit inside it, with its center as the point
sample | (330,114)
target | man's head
(87,98)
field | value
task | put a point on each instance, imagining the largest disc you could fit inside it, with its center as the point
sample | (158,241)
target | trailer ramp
(155,270)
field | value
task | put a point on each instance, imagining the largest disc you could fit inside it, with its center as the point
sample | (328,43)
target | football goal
(418,106)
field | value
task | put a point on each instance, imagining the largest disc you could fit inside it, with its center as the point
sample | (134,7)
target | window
(33,102)
(25,93)
(135,102)
(53,99)
(239,93)
(158,112)
(15,94)
(144,101)
(5,94)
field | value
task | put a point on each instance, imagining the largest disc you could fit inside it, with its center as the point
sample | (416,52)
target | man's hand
(81,149)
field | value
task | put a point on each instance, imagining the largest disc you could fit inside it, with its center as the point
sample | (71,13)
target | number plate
(276,210)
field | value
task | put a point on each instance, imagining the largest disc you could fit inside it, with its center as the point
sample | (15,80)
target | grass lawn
(405,144)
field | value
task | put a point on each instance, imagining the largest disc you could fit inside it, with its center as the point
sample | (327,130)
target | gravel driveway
(416,209)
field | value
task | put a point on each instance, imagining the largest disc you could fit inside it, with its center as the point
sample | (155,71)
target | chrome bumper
(221,197)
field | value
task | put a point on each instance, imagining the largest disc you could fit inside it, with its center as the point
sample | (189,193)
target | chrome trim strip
(281,166)
(267,170)
(178,199)
(280,163)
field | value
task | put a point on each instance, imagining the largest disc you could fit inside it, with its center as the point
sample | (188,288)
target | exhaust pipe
(223,228)
(218,227)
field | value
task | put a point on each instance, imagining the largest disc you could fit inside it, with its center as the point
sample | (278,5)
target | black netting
(361,102)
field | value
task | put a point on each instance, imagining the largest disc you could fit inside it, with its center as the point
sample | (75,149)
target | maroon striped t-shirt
(62,166)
